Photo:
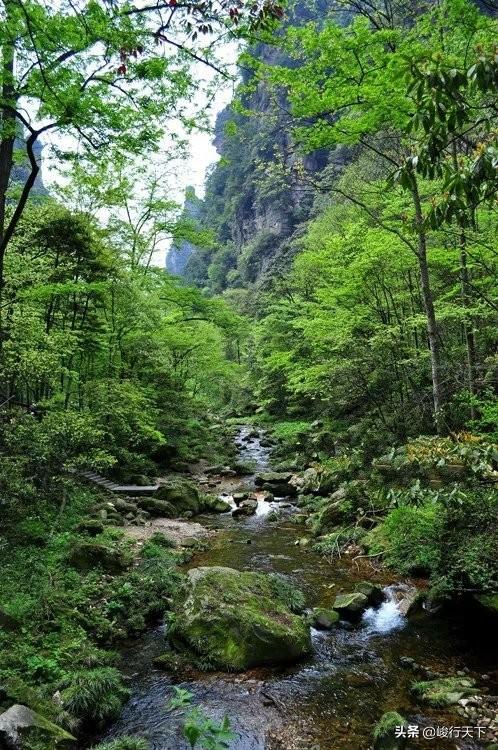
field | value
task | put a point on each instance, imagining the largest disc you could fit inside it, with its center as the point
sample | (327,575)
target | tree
(348,86)
(140,217)
(101,72)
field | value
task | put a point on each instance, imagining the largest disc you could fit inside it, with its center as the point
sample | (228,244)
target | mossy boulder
(239,497)
(245,508)
(445,691)
(158,508)
(90,554)
(374,594)
(182,495)
(237,620)
(385,732)
(331,515)
(276,482)
(170,661)
(90,526)
(215,505)
(324,619)
(350,606)
(20,724)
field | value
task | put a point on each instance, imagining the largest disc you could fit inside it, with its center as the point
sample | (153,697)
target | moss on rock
(182,495)
(374,593)
(212,504)
(445,691)
(350,606)
(324,619)
(20,723)
(87,555)
(237,620)
(385,732)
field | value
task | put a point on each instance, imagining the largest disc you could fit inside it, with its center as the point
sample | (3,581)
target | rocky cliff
(255,201)
(181,251)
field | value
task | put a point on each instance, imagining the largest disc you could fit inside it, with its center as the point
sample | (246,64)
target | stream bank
(329,701)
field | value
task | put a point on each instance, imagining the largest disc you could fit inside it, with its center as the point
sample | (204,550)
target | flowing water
(334,698)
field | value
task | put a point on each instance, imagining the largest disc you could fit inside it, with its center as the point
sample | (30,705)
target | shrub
(413,537)
(94,695)
(334,543)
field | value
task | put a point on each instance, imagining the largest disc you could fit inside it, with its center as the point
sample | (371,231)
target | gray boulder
(324,619)
(278,483)
(18,722)
(246,508)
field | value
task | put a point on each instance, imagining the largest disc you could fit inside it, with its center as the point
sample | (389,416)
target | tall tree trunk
(468,332)
(428,302)
(7,131)
(470,342)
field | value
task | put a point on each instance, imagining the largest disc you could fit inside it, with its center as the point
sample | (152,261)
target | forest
(249,500)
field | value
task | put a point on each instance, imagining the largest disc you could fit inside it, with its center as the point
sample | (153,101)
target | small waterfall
(387,617)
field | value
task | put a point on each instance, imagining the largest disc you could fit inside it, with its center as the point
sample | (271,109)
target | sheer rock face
(255,199)
(237,620)
(180,251)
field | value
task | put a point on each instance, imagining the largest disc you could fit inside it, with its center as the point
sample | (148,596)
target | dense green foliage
(389,313)
(346,297)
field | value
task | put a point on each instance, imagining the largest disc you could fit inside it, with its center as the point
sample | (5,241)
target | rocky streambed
(358,669)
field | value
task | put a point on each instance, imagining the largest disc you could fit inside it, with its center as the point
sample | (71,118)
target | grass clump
(387,724)
(94,695)
(124,743)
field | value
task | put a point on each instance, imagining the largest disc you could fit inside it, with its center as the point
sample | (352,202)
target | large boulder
(237,620)
(277,482)
(330,516)
(182,495)
(350,606)
(213,504)
(20,722)
(87,555)
(245,508)
(445,691)
(158,508)
(389,731)
(409,600)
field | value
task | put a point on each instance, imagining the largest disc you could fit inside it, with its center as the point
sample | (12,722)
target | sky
(190,172)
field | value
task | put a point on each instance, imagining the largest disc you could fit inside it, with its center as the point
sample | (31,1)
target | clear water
(335,697)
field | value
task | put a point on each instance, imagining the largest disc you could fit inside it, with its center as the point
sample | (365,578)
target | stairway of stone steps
(126,489)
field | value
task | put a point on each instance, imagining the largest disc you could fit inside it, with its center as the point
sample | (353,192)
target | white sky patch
(182,173)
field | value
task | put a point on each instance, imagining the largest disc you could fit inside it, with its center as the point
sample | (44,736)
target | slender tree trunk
(428,302)
(7,132)
(468,332)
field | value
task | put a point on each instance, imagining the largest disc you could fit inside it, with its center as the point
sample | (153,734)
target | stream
(330,701)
